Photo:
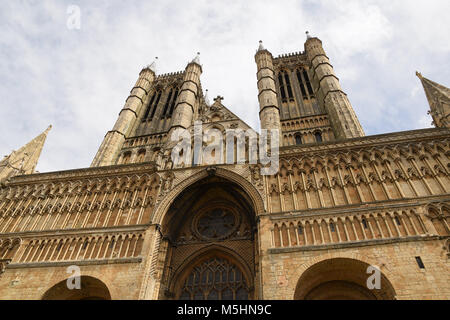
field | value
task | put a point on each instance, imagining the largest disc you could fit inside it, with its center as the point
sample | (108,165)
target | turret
(269,111)
(188,96)
(329,92)
(115,138)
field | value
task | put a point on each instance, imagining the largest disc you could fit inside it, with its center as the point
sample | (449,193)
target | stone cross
(218,99)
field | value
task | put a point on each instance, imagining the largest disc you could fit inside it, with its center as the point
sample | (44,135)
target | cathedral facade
(345,216)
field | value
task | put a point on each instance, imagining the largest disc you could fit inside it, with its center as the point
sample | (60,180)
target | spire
(152,66)
(197,59)
(261,47)
(438,98)
(24,160)
(206,98)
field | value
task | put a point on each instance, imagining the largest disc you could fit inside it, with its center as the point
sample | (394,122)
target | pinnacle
(261,47)
(152,66)
(24,160)
(308,36)
(206,98)
(197,58)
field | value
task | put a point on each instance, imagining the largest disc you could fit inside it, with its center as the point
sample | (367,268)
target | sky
(77,79)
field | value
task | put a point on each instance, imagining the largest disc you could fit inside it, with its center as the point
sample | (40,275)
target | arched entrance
(209,242)
(340,279)
(91,289)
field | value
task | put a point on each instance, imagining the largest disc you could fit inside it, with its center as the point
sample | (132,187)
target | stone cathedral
(136,226)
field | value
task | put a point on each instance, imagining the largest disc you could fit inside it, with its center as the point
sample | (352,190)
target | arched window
(155,106)
(288,85)
(332,228)
(174,100)
(141,155)
(149,107)
(364,222)
(308,83)
(298,139)
(166,106)
(126,157)
(215,279)
(302,86)
(318,136)
(282,90)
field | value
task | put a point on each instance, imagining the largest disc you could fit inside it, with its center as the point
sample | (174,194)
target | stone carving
(255,174)
(167,182)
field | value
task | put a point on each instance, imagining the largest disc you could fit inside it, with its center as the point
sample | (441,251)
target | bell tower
(157,105)
(312,107)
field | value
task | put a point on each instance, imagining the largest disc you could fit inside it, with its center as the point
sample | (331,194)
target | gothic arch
(210,218)
(166,202)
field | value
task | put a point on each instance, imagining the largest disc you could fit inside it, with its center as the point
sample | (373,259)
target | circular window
(217,223)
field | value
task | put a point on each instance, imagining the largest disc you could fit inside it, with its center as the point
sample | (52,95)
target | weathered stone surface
(140,227)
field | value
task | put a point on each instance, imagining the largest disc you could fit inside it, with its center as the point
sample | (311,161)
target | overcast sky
(78,79)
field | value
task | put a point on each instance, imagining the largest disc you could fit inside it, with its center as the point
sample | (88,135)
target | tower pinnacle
(152,66)
(197,58)
(206,98)
(308,36)
(438,98)
(261,47)
(24,160)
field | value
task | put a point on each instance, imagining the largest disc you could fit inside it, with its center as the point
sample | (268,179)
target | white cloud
(78,80)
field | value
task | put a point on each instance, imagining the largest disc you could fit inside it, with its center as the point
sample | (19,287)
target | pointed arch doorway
(210,243)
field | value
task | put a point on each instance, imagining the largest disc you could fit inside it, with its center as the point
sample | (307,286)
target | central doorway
(210,243)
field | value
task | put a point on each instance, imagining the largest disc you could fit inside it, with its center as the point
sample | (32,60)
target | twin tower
(299,94)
